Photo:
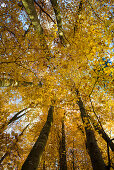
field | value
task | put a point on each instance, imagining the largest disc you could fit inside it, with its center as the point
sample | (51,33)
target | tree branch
(44,11)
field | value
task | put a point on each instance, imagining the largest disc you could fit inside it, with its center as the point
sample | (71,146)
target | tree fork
(58,19)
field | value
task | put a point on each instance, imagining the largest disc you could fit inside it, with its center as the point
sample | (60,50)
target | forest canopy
(56,84)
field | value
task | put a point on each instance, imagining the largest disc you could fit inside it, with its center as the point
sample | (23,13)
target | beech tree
(56,66)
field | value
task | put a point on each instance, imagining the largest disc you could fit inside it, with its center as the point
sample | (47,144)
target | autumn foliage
(56,85)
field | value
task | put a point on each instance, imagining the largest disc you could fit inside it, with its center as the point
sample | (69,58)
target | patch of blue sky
(15,100)
(23,18)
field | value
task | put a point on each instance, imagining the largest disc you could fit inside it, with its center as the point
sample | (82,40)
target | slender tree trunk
(58,19)
(73,164)
(31,11)
(101,131)
(77,17)
(62,150)
(44,168)
(14,118)
(99,128)
(91,143)
(13,145)
(34,157)
(4,82)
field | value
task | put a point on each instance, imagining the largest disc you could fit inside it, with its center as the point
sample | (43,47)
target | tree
(52,50)
(34,157)
(62,149)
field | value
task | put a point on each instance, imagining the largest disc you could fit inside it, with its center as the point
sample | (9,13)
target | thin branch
(108,154)
(95,12)
(17,116)
(44,11)
(77,16)
(27,30)
(13,145)
(14,118)
(26,69)
(95,112)
(93,87)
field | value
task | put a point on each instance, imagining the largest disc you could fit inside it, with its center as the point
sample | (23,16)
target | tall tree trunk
(44,167)
(73,164)
(101,131)
(62,150)
(58,19)
(14,118)
(77,17)
(34,157)
(4,82)
(91,143)
(31,11)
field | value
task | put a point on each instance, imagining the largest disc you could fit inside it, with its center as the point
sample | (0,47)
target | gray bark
(62,150)
(34,157)
(101,131)
(31,11)
(5,82)
(14,118)
(91,143)
(58,19)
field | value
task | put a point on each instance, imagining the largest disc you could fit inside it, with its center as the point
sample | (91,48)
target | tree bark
(4,82)
(77,17)
(34,157)
(31,11)
(73,157)
(101,131)
(14,118)
(13,145)
(62,150)
(58,19)
(91,143)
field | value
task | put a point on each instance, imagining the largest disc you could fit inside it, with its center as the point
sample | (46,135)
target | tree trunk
(34,157)
(14,118)
(13,145)
(91,143)
(62,150)
(31,11)
(77,17)
(73,163)
(101,131)
(4,82)
(58,19)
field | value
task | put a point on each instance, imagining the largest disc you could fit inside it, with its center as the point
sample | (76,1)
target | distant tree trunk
(31,11)
(91,143)
(34,157)
(77,17)
(62,150)
(44,168)
(58,19)
(73,164)
(5,82)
